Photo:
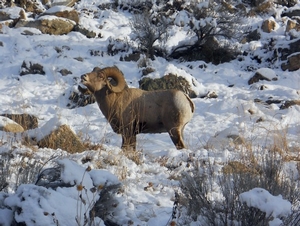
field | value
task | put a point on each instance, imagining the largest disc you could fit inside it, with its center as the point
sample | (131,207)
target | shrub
(148,29)
(208,24)
(197,189)
(19,172)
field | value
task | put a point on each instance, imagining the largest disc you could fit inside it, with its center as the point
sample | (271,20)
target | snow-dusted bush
(16,172)
(208,23)
(68,194)
(148,29)
(199,189)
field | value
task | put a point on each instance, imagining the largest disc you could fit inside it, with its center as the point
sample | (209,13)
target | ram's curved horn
(117,75)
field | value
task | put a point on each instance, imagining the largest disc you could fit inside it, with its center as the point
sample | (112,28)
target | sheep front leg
(129,142)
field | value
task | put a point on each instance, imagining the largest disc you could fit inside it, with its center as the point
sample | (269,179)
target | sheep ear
(96,69)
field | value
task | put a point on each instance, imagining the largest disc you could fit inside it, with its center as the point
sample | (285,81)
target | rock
(289,103)
(147,71)
(63,12)
(65,72)
(33,6)
(268,26)
(49,25)
(169,81)
(79,99)
(85,32)
(263,74)
(68,3)
(9,125)
(4,15)
(210,95)
(292,24)
(62,138)
(252,36)
(294,47)
(132,57)
(293,63)
(31,68)
(25,120)
(291,13)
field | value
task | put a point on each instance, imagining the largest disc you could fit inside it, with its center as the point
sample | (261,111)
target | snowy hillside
(253,125)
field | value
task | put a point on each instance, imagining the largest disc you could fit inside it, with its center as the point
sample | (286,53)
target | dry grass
(266,166)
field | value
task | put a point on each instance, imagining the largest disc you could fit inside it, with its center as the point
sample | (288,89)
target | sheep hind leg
(176,136)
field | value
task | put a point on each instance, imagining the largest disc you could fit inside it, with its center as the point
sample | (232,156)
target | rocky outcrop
(68,3)
(268,26)
(78,99)
(263,74)
(31,68)
(63,12)
(169,81)
(62,138)
(49,25)
(8,125)
(25,120)
(292,24)
(293,63)
(32,6)
(289,103)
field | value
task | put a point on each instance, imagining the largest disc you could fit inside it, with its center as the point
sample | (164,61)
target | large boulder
(169,81)
(263,74)
(62,138)
(293,63)
(25,120)
(49,25)
(63,12)
(68,3)
(33,6)
(293,24)
(294,47)
(268,25)
(29,67)
(79,99)
(291,13)
(8,125)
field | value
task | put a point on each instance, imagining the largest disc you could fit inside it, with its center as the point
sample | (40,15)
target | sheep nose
(83,77)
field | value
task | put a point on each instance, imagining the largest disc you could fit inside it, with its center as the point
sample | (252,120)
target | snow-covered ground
(147,196)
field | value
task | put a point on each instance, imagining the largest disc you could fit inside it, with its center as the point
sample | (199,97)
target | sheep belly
(145,127)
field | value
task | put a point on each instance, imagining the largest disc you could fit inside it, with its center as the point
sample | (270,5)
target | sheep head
(99,78)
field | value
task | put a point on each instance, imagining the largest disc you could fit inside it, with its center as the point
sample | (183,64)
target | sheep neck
(106,99)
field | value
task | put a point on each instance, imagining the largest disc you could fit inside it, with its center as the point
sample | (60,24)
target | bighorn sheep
(131,111)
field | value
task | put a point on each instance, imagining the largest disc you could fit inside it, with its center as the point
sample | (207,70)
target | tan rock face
(68,3)
(4,16)
(49,25)
(8,125)
(64,12)
(268,26)
(292,24)
(25,120)
(293,63)
(62,138)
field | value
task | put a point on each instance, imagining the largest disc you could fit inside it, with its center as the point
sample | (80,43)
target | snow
(274,206)
(148,188)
